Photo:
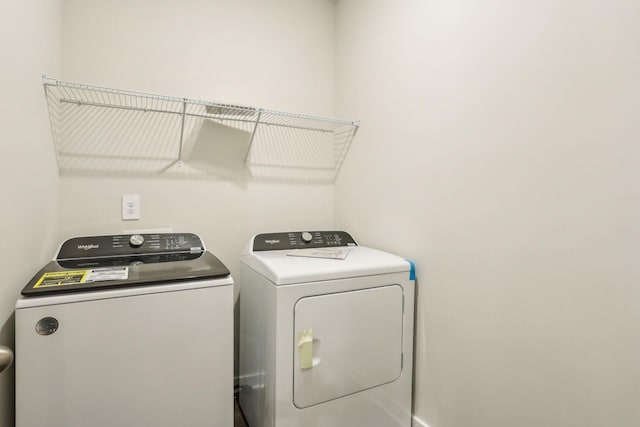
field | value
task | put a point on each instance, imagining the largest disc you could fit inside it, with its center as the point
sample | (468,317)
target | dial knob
(306,237)
(136,240)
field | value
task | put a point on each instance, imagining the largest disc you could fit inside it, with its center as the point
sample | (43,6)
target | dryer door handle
(6,357)
(305,349)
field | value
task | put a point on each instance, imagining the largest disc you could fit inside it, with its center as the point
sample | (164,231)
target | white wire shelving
(98,130)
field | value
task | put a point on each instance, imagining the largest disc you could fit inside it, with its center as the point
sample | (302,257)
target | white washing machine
(326,332)
(126,330)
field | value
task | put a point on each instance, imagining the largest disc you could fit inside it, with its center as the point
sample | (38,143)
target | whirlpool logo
(88,247)
(272,241)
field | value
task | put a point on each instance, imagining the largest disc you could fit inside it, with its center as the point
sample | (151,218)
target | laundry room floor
(238,419)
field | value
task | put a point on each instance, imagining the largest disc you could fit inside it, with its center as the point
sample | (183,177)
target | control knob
(306,237)
(136,240)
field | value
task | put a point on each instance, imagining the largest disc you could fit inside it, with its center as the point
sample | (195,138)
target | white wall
(276,54)
(29,45)
(499,150)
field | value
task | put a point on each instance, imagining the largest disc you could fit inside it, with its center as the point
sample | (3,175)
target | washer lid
(125,260)
(117,272)
(283,268)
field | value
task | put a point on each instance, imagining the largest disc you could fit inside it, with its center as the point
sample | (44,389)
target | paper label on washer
(109,273)
(74,277)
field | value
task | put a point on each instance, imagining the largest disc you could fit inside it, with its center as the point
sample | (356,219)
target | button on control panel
(136,240)
(301,240)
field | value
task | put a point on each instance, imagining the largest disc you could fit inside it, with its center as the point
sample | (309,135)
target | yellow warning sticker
(61,278)
(76,277)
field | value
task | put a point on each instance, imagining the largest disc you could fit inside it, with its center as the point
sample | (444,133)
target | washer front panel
(162,359)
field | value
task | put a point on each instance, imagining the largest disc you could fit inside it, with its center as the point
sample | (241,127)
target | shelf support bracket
(253,135)
(184,113)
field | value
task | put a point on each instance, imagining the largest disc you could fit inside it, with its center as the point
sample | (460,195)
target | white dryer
(326,332)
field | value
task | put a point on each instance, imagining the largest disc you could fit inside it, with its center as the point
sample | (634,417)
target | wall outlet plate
(130,207)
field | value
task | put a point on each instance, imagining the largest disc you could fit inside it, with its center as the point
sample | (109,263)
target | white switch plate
(130,207)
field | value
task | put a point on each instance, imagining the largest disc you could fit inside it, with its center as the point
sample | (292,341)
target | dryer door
(346,342)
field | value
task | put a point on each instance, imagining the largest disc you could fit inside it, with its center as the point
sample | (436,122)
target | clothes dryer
(326,332)
(126,330)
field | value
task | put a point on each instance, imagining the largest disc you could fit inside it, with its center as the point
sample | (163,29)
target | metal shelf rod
(49,81)
(264,123)
(150,110)
(203,116)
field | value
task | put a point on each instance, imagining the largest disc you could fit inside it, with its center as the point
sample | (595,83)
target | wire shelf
(98,130)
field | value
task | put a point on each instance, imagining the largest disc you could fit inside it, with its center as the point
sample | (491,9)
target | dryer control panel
(301,240)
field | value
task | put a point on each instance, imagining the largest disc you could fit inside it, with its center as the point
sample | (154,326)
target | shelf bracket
(184,113)
(253,135)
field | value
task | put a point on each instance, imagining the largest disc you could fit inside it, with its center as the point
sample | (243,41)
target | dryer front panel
(346,342)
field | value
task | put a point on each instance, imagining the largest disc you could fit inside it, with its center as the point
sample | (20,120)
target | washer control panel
(301,240)
(129,244)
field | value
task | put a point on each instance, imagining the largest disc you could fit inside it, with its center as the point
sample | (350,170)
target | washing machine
(126,330)
(326,332)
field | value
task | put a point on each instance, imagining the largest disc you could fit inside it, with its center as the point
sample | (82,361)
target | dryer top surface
(283,268)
